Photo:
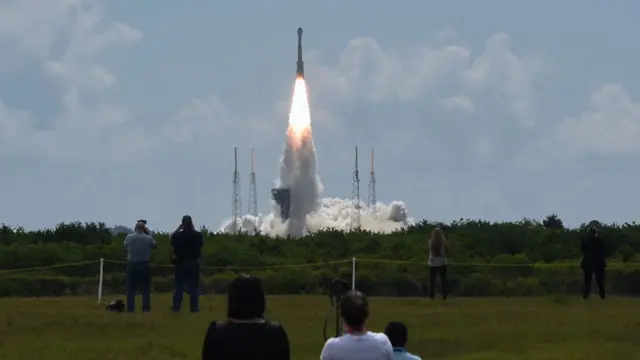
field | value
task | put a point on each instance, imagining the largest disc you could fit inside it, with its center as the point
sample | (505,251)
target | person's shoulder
(413,357)
(274,326)
(218,325)
(379,336)
(380,339)
(332,343)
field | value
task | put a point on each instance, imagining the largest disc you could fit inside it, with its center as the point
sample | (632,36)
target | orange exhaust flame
(299,115)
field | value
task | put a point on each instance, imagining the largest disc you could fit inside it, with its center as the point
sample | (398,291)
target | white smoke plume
(298,173)
(332,213)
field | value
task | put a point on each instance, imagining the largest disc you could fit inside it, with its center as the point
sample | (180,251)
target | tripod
(339,287)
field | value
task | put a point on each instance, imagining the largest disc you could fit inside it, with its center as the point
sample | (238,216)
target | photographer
(138,245)
(358,343)
(593,262)
(187,246)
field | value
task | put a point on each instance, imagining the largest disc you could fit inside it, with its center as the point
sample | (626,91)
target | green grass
(492,329)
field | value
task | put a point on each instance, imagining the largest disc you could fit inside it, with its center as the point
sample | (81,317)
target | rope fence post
(353,273)
(100,280)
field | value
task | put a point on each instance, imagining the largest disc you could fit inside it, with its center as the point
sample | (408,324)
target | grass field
(466,329)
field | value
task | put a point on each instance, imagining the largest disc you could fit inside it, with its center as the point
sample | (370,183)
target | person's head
(187,223)
(438,241)
(354,310)
(245,299)
(140,227)
(397,333)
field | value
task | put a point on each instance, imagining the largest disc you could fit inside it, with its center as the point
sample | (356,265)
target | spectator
(245,334)
(593,262)
(187,246)
(398,334)
(438,250)
(358,343)
(138,245)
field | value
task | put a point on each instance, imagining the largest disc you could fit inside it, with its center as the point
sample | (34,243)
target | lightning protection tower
(354,223)
(253,196)
(236,210)
(372,201)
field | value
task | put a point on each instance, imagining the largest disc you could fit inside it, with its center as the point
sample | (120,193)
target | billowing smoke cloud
(331,213)
(299,174)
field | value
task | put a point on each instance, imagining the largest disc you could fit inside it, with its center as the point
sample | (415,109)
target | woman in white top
(438,250)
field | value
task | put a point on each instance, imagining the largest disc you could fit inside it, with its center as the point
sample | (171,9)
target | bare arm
(154,244)
(126,241)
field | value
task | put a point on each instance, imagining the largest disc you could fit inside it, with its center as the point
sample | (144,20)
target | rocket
(300,63)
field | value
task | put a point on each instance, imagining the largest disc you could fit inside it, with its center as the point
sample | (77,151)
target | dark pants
(434,271)
(138,278)
(589,274)
(187,275)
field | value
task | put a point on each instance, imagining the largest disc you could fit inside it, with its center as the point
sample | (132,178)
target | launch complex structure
(281,196)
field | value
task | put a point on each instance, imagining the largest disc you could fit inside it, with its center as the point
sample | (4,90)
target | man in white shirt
(358,343)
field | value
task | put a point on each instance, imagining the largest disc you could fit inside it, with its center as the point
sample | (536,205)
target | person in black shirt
(245,334)
(593,262)
(187,246)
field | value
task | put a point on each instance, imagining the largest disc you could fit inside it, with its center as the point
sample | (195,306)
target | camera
(339,288)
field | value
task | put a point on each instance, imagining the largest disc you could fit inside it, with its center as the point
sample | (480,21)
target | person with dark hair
(138,245)
(358,343)
(187,248)
(593,262)
(398,335)
(245,334)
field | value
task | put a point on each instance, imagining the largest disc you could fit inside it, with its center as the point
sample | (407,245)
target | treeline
(543,258)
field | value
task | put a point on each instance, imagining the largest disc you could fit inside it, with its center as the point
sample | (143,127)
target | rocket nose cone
(299,31)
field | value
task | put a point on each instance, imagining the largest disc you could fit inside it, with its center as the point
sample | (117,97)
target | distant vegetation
(547,252)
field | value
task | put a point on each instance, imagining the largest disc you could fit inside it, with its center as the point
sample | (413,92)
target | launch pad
(282,197)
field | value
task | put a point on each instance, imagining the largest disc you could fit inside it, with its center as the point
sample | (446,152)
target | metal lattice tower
(236,210)
(253,196)
(355,197)
(372,201)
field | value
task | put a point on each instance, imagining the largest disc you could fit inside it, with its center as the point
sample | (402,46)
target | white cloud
(610,125)
(459,102)
(368,71)
(201,117)
(498,69)
(66,38)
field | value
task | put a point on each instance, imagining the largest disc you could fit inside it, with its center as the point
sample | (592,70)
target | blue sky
(112,111)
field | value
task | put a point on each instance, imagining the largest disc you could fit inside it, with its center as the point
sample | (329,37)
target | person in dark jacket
(245,334)
(187,247)
(593,262)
